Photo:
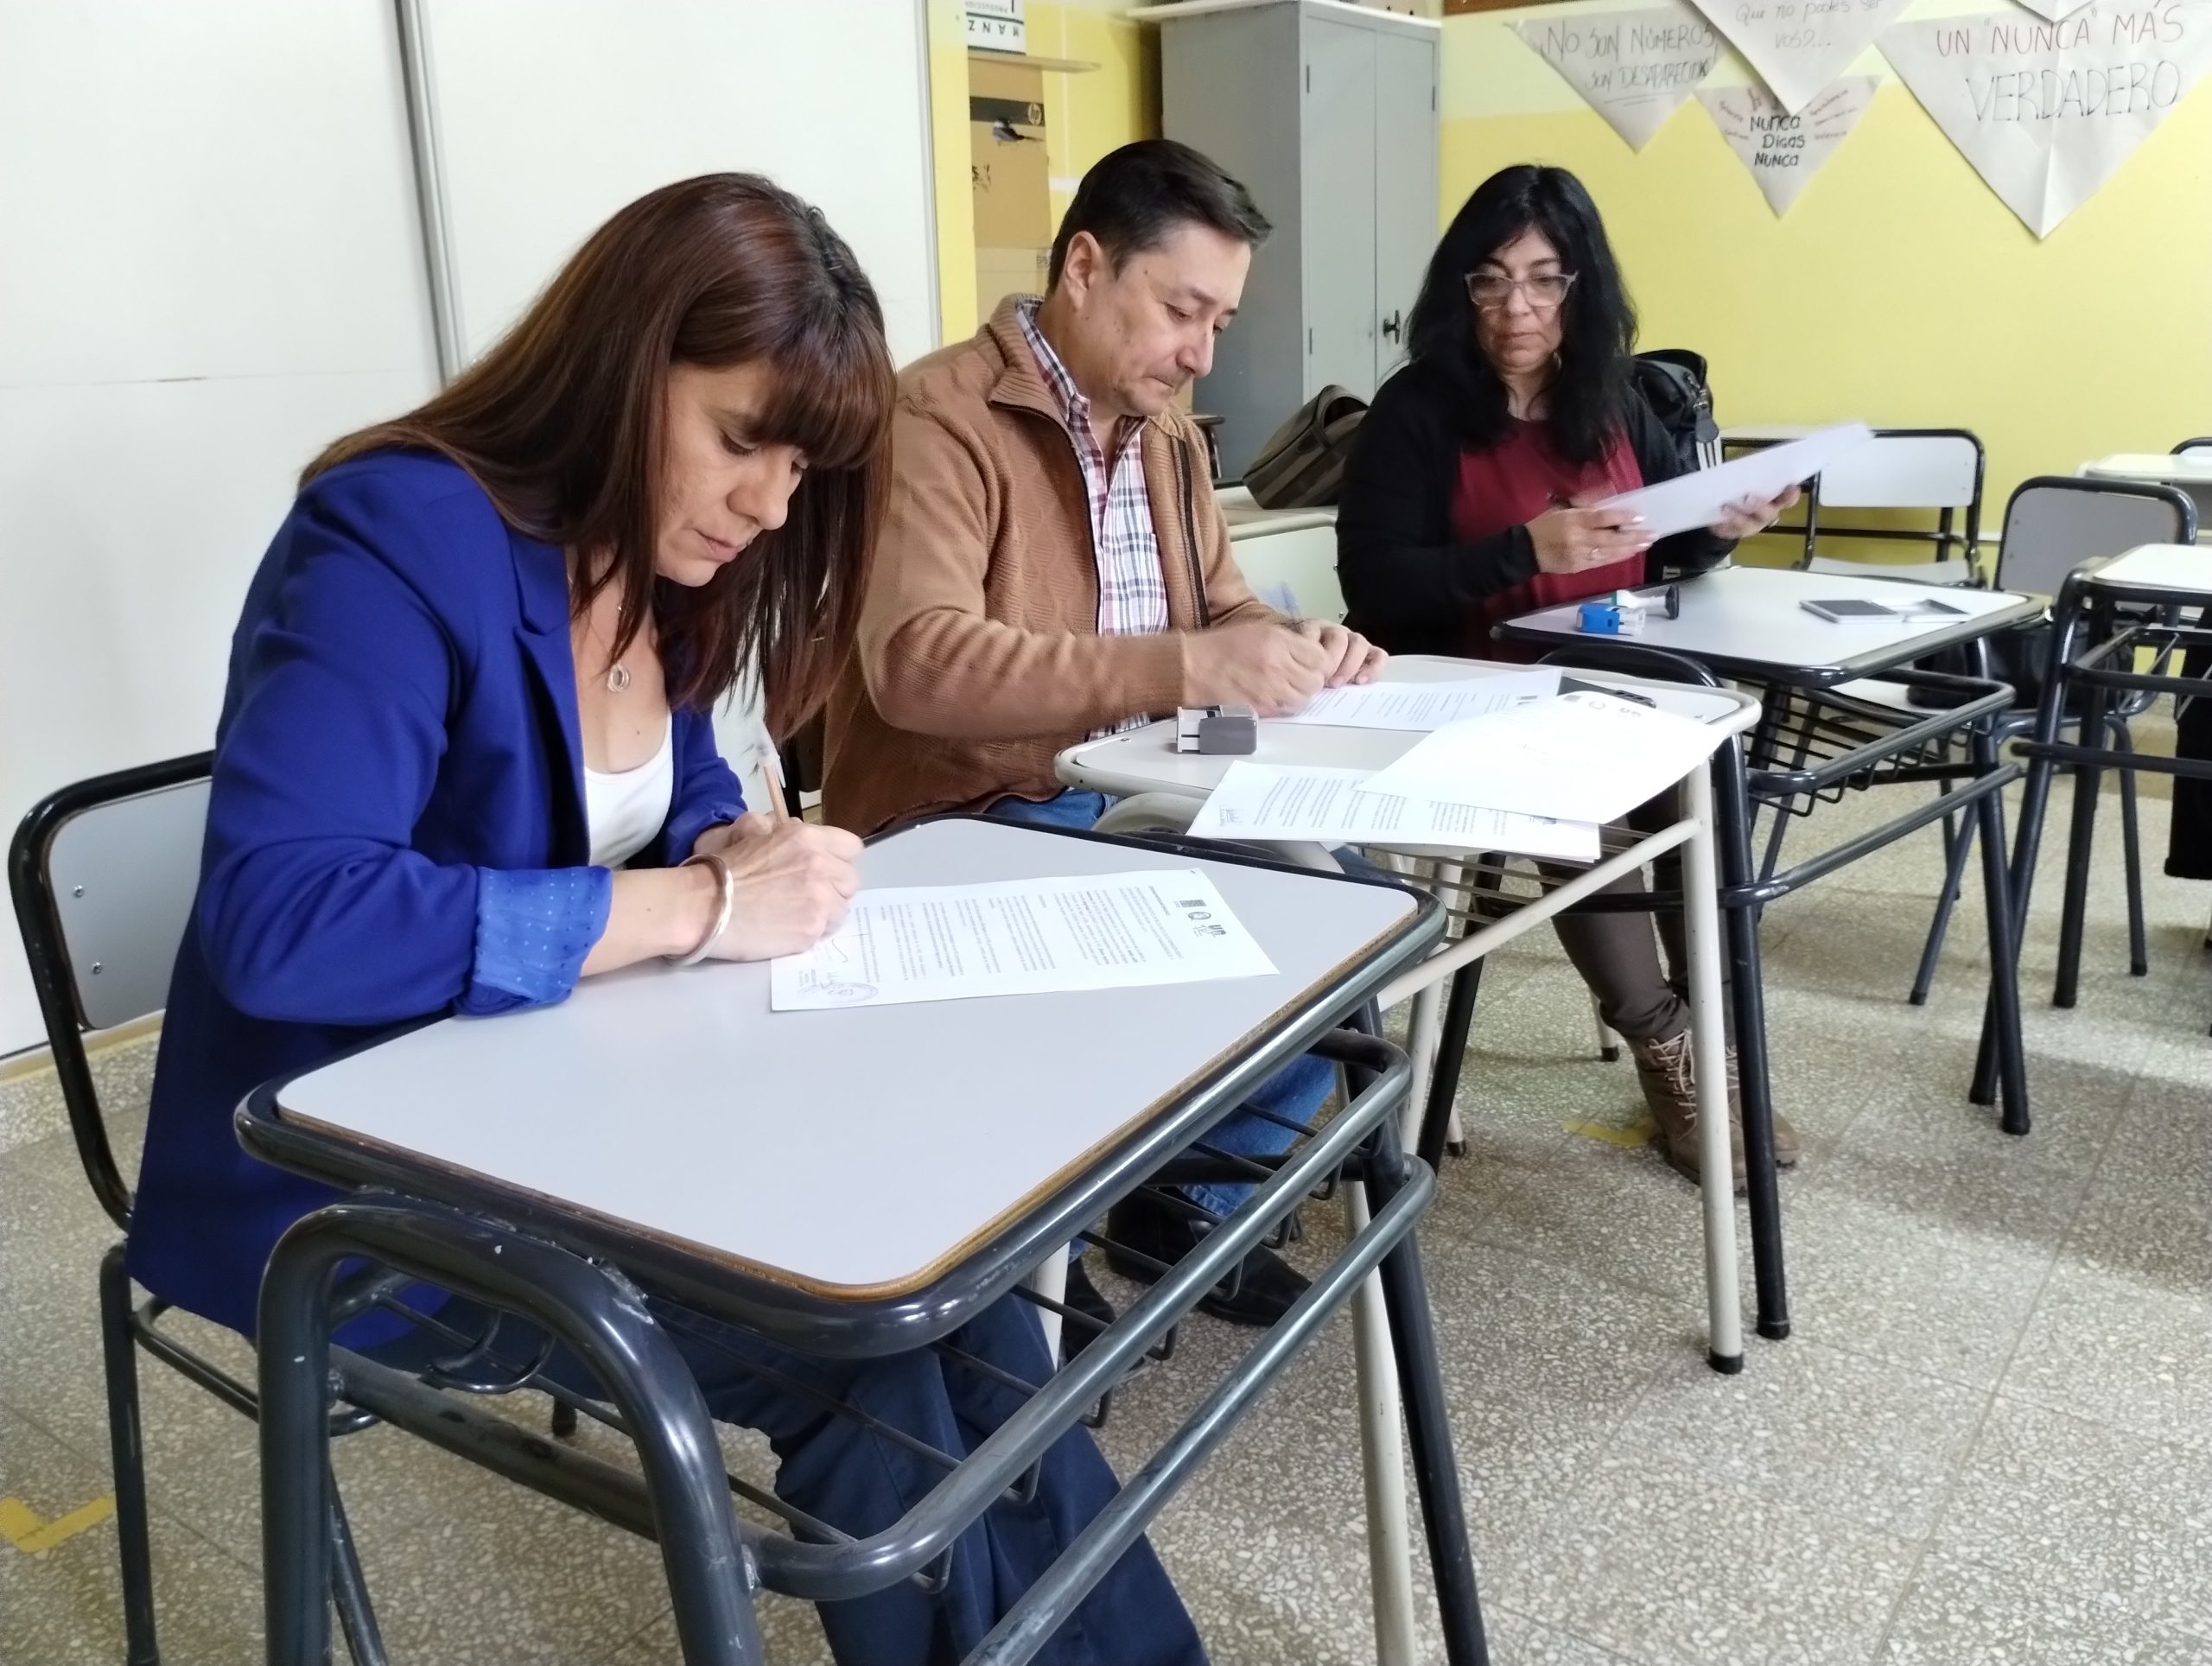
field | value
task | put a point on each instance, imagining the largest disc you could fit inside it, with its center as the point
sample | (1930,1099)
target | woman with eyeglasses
(1469,497)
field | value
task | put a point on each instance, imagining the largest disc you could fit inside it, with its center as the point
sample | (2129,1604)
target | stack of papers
(1020,937)
(1584,757)
(1426,706)
(1278,802)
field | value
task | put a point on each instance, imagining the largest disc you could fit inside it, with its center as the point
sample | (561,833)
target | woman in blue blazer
(465,758)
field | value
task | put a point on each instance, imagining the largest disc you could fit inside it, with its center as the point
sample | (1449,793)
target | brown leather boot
(1664,1071)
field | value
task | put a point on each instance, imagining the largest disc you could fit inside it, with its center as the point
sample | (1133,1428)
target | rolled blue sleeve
(533,930)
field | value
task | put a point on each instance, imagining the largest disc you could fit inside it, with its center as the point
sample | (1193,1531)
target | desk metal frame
(585,1281)
(1815,742)
(2098,625)
(1439,1044)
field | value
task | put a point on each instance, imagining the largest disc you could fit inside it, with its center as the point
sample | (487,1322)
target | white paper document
(1700,497)
(1635,67)
(1423,706)
(1579,757)
(1799,47)
(1285,801)
(1784,151)
(2047,111)
(1020,937)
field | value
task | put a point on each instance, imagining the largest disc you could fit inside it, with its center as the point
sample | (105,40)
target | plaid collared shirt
(1132,594)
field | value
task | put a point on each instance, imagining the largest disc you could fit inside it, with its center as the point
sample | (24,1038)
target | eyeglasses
(1544,292)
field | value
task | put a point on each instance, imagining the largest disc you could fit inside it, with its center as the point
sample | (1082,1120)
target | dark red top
(1512,483)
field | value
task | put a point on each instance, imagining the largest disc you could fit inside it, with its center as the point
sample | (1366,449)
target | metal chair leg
(349,1591)
(2130,840)
(2002,1021)
(1746,994)
(2067,625)
(2081,842)
(1428,1428)
(126,1446)
(1958,842)
(1608,1045)
(1451,1055)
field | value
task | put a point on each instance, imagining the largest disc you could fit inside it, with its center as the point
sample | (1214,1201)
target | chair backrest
(103,874)
(1906,469)
(2054,522)
(2201,447)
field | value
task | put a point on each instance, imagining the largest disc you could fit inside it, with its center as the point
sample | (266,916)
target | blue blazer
(395,831)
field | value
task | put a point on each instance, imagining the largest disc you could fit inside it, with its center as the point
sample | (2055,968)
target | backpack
(1671,380)
(1302,464)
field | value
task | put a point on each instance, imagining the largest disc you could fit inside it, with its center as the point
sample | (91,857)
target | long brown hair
(561,423)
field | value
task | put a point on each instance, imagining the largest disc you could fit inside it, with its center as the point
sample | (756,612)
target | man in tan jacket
(1053,565)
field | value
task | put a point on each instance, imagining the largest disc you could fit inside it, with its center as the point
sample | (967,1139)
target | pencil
(771,766)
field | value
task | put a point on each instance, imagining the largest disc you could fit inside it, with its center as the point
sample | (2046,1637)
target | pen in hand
(771,768)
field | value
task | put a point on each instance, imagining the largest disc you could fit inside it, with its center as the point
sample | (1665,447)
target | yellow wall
(1900,289)
(956,208)
(1086,115)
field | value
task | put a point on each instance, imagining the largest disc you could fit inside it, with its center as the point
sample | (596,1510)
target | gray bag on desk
(1302,464)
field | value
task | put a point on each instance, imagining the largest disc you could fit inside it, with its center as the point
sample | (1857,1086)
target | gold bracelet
(726,887)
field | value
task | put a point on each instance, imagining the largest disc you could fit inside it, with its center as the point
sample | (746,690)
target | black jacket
(1408,585)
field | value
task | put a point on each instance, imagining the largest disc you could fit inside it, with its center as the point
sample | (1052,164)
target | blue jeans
(1297,1091)
(862,1483)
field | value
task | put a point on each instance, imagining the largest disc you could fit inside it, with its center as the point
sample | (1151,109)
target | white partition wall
(209,265)
(553,115)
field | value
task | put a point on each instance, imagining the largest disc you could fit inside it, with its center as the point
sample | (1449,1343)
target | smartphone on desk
(1853,607)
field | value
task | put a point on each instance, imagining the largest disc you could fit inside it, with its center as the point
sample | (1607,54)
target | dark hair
(1587,399)
(561,423)
(1133,199)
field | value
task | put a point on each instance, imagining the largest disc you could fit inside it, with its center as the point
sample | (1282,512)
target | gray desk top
(2160,567)
(1751,622)
(2190,469)
(857,1154)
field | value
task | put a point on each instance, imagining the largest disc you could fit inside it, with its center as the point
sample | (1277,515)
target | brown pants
(1615,954)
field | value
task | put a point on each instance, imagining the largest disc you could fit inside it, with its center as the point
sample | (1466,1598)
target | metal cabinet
(1327,111)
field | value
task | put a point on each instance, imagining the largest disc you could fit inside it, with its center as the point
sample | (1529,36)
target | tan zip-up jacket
(979,656)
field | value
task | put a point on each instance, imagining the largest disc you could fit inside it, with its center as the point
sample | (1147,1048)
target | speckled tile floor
(1990,1440)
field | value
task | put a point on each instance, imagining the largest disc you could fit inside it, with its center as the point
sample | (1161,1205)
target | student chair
(2198,450)
(103,875)
(2053,522)
(2199,447)
(1937,469)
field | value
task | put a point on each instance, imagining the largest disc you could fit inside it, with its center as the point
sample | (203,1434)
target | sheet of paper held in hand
(1283,801)
(1423,706)
(1579,757)
(1020,937)
(1700,498)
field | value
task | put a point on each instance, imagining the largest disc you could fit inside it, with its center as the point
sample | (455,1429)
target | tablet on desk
(1855,607)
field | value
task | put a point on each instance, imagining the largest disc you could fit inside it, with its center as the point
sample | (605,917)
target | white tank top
(625,811)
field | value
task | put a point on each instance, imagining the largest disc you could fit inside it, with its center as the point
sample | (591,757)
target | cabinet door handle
(1390,326)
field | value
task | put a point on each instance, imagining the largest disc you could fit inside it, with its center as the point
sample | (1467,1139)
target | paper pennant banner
(1782,151)
(1798,46)
(2046,112)
(2055,10)
(1633,66)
